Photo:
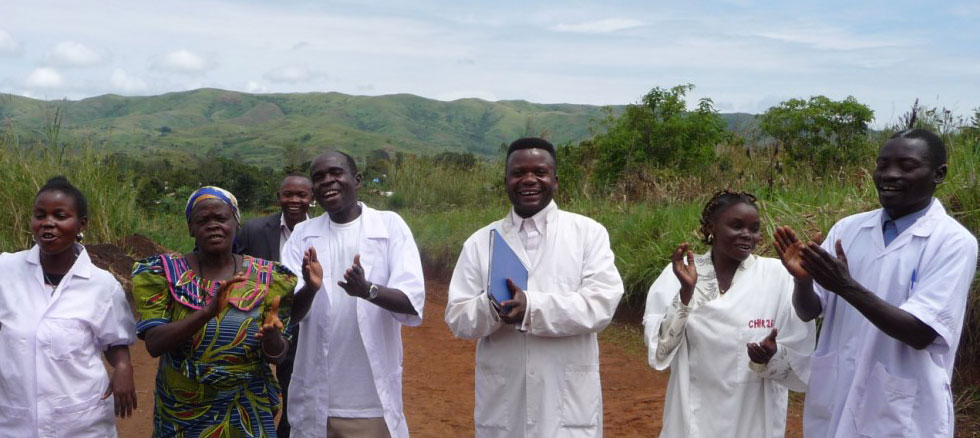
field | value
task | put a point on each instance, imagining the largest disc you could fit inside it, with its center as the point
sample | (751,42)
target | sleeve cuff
(758,367)
(144,325)
(928,317)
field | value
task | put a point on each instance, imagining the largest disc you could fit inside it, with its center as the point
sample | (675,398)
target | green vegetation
(659,132)
(820,131)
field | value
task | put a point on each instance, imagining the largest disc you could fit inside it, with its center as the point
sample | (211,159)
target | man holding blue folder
(537,358)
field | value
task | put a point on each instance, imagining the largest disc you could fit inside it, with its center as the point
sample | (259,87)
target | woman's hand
(687,274)
(762,352)
(270,334)
(219,301)
(121,384)
(272,325)
(312,270)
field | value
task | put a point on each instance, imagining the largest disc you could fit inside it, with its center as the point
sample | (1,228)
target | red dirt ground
(438,385)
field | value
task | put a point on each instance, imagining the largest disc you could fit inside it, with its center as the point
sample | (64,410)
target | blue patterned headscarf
(212,192)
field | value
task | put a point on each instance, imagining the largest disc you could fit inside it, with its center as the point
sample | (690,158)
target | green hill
(269,129)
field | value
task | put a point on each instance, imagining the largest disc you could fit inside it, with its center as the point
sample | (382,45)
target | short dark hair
(350,162)
(531,143)
(294,175)
(719,202)
(937,149)
(352,166)
(60,184)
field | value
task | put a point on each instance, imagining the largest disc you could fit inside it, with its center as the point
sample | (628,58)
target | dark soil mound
(119,259)
(141,247)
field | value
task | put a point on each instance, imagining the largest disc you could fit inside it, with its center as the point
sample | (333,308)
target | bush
(819,131)
(658,132)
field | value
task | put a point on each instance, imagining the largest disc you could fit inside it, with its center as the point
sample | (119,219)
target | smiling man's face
(905,176)
(530,180)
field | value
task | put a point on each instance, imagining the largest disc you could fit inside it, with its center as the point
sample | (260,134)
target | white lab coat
(390,258)
(866,383)
(51,372)
(712,391)
(543,382)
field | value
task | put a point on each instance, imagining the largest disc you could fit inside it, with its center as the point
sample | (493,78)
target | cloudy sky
(746,55)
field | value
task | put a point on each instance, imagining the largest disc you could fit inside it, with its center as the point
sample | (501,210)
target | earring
(80,236)
(711,238)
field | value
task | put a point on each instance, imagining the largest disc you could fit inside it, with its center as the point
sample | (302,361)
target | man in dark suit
(264,237)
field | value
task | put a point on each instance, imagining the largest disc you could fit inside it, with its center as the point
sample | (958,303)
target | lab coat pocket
(15,422)
(820,400)
(581,397)
(885,410)
(492,413)
(65,337)
(91,418)
(745,336)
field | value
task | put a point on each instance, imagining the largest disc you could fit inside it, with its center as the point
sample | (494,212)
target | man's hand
(354,282)
(830,272)
(790,248)
(219,301)
(686,274)
(763,351)
(512,310)
(122,388)
(312,270)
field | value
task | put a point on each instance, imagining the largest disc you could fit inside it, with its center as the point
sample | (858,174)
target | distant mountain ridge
(270,129)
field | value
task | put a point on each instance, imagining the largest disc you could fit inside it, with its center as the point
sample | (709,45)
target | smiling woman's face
(736,231)
(55,222)
(213,226)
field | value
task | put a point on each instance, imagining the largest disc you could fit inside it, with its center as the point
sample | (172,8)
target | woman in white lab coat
(58,315)
(724,324)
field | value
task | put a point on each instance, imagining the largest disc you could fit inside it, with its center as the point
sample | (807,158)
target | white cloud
(292,74)
(8,46)
(126,83)
(183,61)
(599,26)
(824,38)
(45,77)
(73,54)
(256,87)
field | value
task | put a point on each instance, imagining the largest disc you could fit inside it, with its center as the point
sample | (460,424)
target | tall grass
(113,210)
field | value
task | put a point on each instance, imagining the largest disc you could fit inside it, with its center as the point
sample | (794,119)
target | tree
(819,131)
(657,132)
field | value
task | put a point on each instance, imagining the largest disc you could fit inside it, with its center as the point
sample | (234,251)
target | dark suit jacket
(259,237)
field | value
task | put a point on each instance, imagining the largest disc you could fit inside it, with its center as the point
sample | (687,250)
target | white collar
(283,224)
(540,219)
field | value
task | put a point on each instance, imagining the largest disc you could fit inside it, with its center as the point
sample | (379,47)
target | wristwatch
(372,292)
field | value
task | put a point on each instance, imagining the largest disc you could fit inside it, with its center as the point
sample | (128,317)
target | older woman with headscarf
(216,320)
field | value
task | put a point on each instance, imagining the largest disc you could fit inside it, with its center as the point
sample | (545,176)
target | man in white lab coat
(893,301)
(347,377)
(537,359)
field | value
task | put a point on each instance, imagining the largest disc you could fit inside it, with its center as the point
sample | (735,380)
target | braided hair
(719,202)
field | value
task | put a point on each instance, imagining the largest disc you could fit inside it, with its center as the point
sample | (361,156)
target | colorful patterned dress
(218,384)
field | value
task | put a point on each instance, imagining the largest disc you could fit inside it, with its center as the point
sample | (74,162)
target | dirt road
(438,383)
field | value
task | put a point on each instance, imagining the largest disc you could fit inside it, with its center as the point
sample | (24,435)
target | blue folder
(504,264)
